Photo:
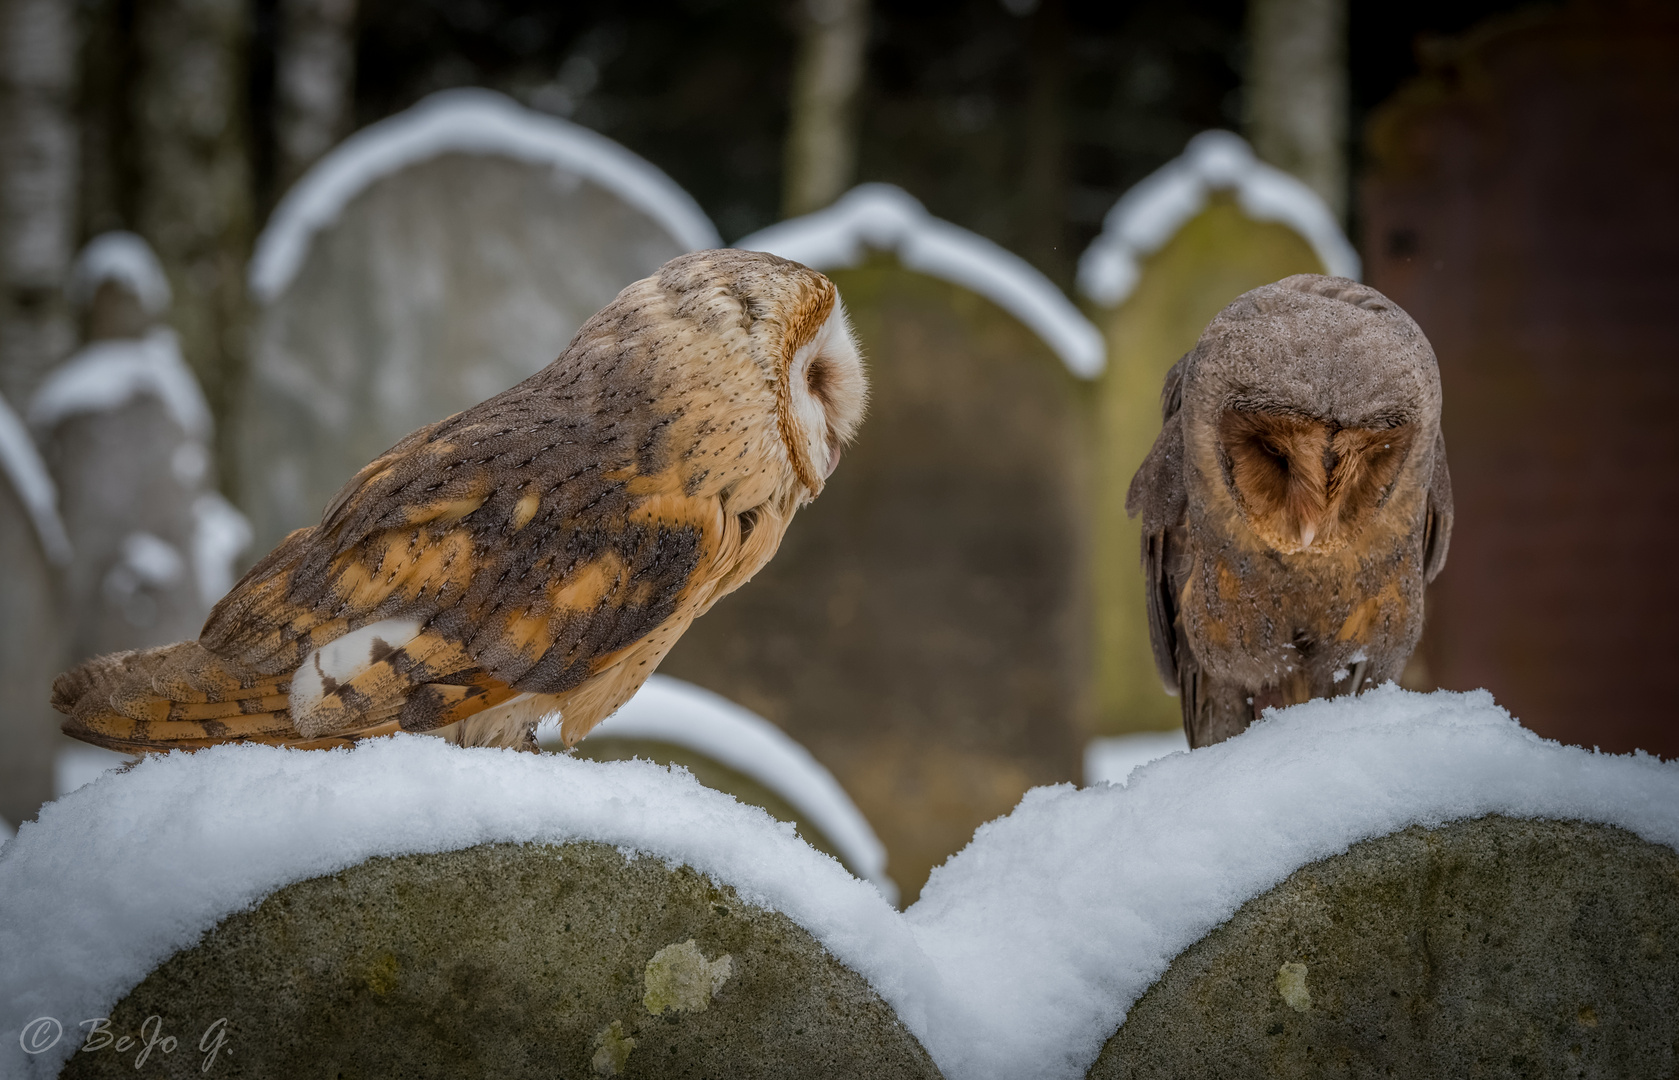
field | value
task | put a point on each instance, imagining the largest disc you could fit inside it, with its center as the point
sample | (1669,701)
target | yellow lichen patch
(525,508)
(1588,1016)
(612,1050)
(380,975)
(1291,984)
(1366,615)
(681,979)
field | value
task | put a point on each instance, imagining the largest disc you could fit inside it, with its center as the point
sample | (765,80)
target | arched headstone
(1187,240)
(428,262)
(33,550)
(733,749)
(922,628)
(127,433)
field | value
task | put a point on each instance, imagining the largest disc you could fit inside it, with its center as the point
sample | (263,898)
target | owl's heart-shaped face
(1306,484)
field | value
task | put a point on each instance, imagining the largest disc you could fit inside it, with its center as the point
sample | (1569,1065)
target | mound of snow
(464,121)
(677,712)
(1160,204)
(888,218)
(1056,918)
(115,877)
(1112,760)
(126,259)
(106,375)
(1021,958)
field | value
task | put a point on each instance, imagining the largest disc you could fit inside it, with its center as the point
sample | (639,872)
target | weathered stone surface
(31,652)
(512,961)
(940,580)
(1489,948)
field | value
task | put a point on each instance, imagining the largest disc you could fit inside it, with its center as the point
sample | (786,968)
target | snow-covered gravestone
(428,262)
(922,627)
(1179,246)
(732,749)
(414,909)
(126,432)
(1397,884)
(33,551)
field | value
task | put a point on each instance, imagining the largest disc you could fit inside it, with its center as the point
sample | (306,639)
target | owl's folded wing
(1157,495)
(467,566)
(1437,530)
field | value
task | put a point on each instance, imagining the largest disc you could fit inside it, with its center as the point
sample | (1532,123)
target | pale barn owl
(536,554)
(1295,504)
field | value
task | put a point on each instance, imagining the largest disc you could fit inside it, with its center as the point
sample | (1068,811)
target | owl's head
(789,323)
(1313,400)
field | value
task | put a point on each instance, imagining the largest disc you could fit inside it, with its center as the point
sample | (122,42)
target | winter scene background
(247,245)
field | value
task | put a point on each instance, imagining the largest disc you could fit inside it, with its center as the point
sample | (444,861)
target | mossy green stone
(1495,948)
(508,961)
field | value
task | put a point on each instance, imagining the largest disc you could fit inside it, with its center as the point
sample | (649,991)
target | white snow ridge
(106,375)
(1148,215)
(126,259)
(673,711)
(467,121)
(887,218)
(1022,957)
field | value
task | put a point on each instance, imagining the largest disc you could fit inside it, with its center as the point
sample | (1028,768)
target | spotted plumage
(1295,504)
(538,553)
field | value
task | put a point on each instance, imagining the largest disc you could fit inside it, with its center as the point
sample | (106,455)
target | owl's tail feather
(177,697)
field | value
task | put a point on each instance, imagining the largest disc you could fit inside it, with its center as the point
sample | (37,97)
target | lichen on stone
(680,978)
(1291,984)
(612,1050)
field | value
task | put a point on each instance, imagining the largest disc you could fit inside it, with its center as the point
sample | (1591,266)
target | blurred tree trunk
(315,81)
(822,135)
(37,188)
(191,158)
(1044,182)
(1297,91)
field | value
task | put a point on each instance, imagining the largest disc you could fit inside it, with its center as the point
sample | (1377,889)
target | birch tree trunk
(37,188)
(822,136)
(1297,91)
(315,81)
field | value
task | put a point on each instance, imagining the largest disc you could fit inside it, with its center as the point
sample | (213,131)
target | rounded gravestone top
(1495,947)
(508,961)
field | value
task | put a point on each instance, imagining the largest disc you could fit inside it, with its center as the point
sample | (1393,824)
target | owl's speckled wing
(530,541)
(522,546)
(1159,497)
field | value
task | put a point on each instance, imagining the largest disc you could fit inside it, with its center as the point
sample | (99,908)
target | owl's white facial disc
(828,391)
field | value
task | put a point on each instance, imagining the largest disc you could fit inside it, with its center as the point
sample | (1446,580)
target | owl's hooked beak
(833,459)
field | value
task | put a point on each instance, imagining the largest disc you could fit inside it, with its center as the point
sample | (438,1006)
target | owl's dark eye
(819,380)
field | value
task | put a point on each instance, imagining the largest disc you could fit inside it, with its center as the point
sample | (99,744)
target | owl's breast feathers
(565,531)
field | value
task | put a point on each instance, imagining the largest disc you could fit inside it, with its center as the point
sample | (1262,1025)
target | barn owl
(536,554)
(1295,504)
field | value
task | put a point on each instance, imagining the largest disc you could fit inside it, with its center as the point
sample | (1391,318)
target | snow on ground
(125,258)
(887,218)
(1160,204)
(677,712)
(465,121)
(115,877)
(1056,918)
(33,485)
(1020,959)
(1112,760)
